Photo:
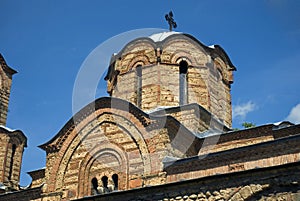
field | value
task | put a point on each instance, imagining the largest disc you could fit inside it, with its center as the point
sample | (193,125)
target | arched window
(13,152)
(115,179)
(104,180)
(139,86)
(95,186)
(183,68)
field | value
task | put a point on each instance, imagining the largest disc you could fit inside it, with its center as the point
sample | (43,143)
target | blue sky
(47,41)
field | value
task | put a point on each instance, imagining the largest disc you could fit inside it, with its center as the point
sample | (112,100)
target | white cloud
(294,115)
(243,109)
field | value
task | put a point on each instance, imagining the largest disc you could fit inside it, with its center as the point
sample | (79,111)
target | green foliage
(245,125)
(248,125)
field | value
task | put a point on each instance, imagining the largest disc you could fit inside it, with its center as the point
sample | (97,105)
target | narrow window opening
(13,151)
(95,186)
(115,179)
(104,180)
(139,86)
(183,68)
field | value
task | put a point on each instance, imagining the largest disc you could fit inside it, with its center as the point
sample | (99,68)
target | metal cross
(171,22)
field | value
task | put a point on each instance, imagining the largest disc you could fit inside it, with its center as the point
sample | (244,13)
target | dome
(163,35)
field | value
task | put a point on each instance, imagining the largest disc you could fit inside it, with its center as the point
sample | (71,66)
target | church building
(163,133)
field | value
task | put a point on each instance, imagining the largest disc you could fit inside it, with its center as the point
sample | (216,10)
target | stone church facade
(164,133)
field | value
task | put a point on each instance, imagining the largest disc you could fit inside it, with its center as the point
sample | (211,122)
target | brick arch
(180,45)
(180,55)
(129,61)
(73,141)
(220,66)
(127,125)
(141,49)
(137,43)
(90,158)
(183,37)
(138,60)
(57,147)
(15,140)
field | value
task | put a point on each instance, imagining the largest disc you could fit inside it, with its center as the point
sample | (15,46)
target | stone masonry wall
(208,81)
(115,142)
(10,165)
(274,183)
(3,156)
(5,85)
(32,194)
(267,154)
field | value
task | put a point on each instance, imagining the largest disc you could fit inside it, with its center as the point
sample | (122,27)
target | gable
(113,137)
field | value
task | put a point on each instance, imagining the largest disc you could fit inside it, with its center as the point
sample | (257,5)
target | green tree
(248,125)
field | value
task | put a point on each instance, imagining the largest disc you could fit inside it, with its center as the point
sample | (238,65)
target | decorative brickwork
(209,74)
(259,155)
(12,144)
(275,183)
(164,134)
(111,141)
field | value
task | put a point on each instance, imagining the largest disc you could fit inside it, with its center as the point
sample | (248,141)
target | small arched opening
(11,165)
(115,179)
(104,180)
(139,85)
(183,92)
(95,186)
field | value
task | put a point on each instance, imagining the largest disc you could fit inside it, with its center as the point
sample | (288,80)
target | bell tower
(12,142)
